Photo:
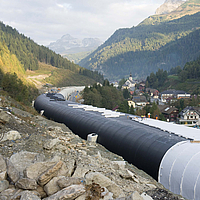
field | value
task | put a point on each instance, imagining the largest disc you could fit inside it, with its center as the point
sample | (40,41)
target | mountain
(30,54)
(70,45)
(169,6)
(160,41)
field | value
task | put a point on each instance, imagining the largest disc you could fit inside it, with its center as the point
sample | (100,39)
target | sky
(46,21)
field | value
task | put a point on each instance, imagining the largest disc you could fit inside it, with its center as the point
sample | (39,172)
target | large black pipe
(139,144)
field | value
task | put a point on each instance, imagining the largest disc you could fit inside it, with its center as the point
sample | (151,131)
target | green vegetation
(156,80)
(12,77)
(105,96)
(29,53)
(153,109)
(21,57)
(65,77)
(109,97)
(187,79)
(17,89)
(77,57)
(161,41)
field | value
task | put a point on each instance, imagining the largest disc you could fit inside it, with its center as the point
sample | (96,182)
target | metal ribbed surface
(138,143)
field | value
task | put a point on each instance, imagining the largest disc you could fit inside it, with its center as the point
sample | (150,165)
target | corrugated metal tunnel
(146,147)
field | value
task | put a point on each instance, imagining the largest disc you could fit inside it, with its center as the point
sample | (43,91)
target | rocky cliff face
(169,6)
(70,45)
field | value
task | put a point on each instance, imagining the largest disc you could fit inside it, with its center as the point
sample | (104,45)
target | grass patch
(43,69)
(65,77)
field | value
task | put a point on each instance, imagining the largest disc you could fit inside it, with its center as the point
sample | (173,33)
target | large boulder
(12,172)
(24,159)
(26,184)
(36,169)
(52,186)
(2,164)
(49,174)
(11,135)
(68,193)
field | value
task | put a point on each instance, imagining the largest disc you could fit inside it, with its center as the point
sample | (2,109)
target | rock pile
(45,162)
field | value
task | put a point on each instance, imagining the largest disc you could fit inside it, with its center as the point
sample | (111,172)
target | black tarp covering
(139,144)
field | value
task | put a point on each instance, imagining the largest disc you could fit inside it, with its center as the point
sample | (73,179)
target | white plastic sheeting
(180,170)
(181,130)
(106,113)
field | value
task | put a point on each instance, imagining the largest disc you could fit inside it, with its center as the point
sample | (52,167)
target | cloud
(47,20)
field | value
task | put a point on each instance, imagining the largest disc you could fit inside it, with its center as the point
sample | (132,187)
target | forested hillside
(12,77)
(161,41)
(29,53)
(187,79)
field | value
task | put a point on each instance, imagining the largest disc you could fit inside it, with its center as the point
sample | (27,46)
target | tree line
(148,47)
(14,86)
(29,53)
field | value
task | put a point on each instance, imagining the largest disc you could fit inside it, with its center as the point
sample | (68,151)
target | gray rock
(11,135)
(129,175)
(67,181)
(70,165)
(68,193)
(169,6)
(41,191)
(51,143)
(22,160)
(49,174)
(28,195)
(81,171)
(134,196)
(146,196)
(26,184)
(103,181)
(64,171)
(12,172)
(2,164)
(61,147)
(4,185)
(3,176)
(36,169)
(55,128)
(6,194)
(119,165)
(52,187)
(82,197)
(25,194)
(5,117)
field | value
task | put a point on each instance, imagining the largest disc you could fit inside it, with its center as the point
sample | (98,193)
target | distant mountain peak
(70,45)
(169,6)
(67,36)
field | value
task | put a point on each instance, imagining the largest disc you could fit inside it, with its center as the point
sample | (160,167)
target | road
(71,93)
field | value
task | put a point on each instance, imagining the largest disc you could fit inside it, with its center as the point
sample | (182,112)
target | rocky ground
(41,159)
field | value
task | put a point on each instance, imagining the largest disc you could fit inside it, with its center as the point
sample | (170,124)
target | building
(131,103)
(140,101)
(153,93)
(189,116)
(129,83)
(174,94)
(142,86)
(170,112)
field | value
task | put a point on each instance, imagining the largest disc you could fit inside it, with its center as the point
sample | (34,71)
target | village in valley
(141,96)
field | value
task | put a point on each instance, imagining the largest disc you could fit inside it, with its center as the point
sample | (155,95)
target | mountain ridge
(168,6)
(70,45)
(142,44)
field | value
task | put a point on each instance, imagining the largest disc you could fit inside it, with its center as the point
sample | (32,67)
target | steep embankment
(142,49)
